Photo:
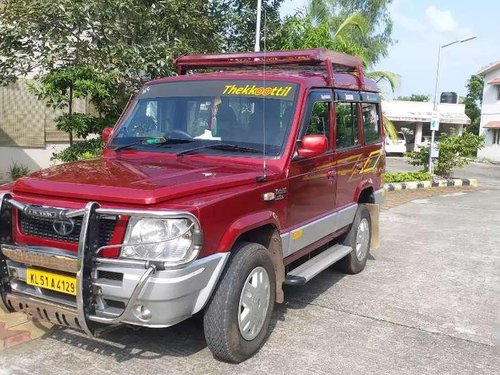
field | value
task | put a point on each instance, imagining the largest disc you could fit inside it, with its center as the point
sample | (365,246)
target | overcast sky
(421,26)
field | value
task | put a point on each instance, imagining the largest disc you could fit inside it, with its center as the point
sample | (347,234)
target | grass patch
(393,177)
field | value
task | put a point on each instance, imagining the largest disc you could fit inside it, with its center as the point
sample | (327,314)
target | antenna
(264,165)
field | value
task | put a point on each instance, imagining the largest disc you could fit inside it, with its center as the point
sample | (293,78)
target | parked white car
(396,146)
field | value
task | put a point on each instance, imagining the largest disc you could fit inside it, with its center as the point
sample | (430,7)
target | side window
(371,128)
(347,124)
(319,122)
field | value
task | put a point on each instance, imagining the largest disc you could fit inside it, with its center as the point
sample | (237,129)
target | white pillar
(418,135)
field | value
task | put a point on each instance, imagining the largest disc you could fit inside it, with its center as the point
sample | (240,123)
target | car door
(312,180)
(348,146)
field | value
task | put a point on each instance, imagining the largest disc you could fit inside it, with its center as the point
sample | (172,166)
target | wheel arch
(366,196)
(261,228)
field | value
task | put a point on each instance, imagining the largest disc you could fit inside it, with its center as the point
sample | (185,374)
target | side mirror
(106,133)
(312,145)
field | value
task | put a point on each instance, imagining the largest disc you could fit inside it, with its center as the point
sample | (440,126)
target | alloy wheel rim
(254,303)
(362,239)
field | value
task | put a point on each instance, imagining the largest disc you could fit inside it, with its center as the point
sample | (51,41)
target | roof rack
(334,62)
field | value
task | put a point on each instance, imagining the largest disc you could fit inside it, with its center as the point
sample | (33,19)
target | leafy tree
(59,89)
(138,39)
(237,19)
(473,101)
(455,151)
(378,24)
(415,98)
(100,50)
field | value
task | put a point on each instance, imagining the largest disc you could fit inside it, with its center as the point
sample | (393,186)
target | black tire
(351,264)
(220,321)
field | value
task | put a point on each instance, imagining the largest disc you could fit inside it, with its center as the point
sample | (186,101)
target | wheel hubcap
(254,303)
(362,239)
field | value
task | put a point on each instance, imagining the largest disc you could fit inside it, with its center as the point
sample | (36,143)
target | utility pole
(435,115)
(257,28)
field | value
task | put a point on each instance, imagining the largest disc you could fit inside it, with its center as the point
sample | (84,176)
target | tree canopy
(372,36)
(136,38)
(473,101)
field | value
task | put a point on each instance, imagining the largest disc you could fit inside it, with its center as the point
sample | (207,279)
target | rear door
(373,135)
(348,146)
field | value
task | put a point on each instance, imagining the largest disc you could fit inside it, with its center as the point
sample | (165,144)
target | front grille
(44,228)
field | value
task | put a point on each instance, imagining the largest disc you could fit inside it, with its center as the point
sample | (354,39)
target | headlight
(175,241)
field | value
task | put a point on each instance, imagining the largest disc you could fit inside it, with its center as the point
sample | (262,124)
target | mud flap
(374,210)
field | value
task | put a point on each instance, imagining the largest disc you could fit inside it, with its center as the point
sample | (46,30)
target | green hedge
(392,177)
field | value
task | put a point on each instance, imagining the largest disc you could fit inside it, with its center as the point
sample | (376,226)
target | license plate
(52,281)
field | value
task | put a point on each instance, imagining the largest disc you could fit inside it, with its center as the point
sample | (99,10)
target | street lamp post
(436,87)
(257,26)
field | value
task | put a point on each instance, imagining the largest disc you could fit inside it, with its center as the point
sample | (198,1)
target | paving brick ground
(399,197)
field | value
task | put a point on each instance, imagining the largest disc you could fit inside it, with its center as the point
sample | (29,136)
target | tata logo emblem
(63,227)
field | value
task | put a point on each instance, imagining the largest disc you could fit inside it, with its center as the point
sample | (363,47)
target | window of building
(371,128)
(496,136)
(347,124)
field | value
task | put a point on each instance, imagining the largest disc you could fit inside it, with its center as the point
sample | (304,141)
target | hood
(136,181)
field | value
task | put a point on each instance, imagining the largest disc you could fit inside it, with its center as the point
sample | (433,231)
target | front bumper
(109,291)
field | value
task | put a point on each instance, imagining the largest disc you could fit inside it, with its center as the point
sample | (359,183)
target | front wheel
(237,318)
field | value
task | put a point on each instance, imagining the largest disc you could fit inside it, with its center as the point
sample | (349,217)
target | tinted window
(320,119)
(371,129)
(347,124)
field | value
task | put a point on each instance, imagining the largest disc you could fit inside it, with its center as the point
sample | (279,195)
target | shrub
(392,177)
(17,171)
(89,149)
(454,152)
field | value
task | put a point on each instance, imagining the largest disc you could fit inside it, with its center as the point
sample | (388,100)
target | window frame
(323,95)
(379,124)
(348,96)
(496,137)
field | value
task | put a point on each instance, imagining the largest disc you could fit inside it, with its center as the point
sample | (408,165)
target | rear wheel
(236,320)
(359,238)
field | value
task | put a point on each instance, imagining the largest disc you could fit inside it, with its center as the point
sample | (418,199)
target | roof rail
(332,61)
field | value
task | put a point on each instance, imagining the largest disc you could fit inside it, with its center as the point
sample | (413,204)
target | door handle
(331,175)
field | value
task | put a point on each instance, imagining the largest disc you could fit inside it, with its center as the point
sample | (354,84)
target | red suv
(216,187)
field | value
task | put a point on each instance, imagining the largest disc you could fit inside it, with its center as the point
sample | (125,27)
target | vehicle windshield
(244,113)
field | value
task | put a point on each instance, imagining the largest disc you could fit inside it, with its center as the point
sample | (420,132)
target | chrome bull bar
(4,275)
(82,264)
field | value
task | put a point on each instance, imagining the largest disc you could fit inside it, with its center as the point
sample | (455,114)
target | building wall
(34,158)
(490,111)
(28,134)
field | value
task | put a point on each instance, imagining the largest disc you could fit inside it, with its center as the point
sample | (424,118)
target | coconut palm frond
(390,129)
(318,11)
(384,76)
(356,20)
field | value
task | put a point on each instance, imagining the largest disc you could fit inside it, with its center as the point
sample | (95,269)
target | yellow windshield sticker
(253,90)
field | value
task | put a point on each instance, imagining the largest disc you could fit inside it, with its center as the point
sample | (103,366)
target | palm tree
(318,25)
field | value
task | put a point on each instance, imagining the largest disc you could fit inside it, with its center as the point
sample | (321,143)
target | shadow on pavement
(299,297)
(185,338)
(125,343)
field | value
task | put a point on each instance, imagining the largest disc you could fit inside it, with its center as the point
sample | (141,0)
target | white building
(490,112)
(413,119)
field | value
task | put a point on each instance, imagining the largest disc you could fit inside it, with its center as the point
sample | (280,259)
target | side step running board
(306,271)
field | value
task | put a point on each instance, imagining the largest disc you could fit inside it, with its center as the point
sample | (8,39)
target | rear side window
(371,128)
(347,124)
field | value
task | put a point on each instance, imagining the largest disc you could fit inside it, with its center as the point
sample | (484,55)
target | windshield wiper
(221,146)
(156,141)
